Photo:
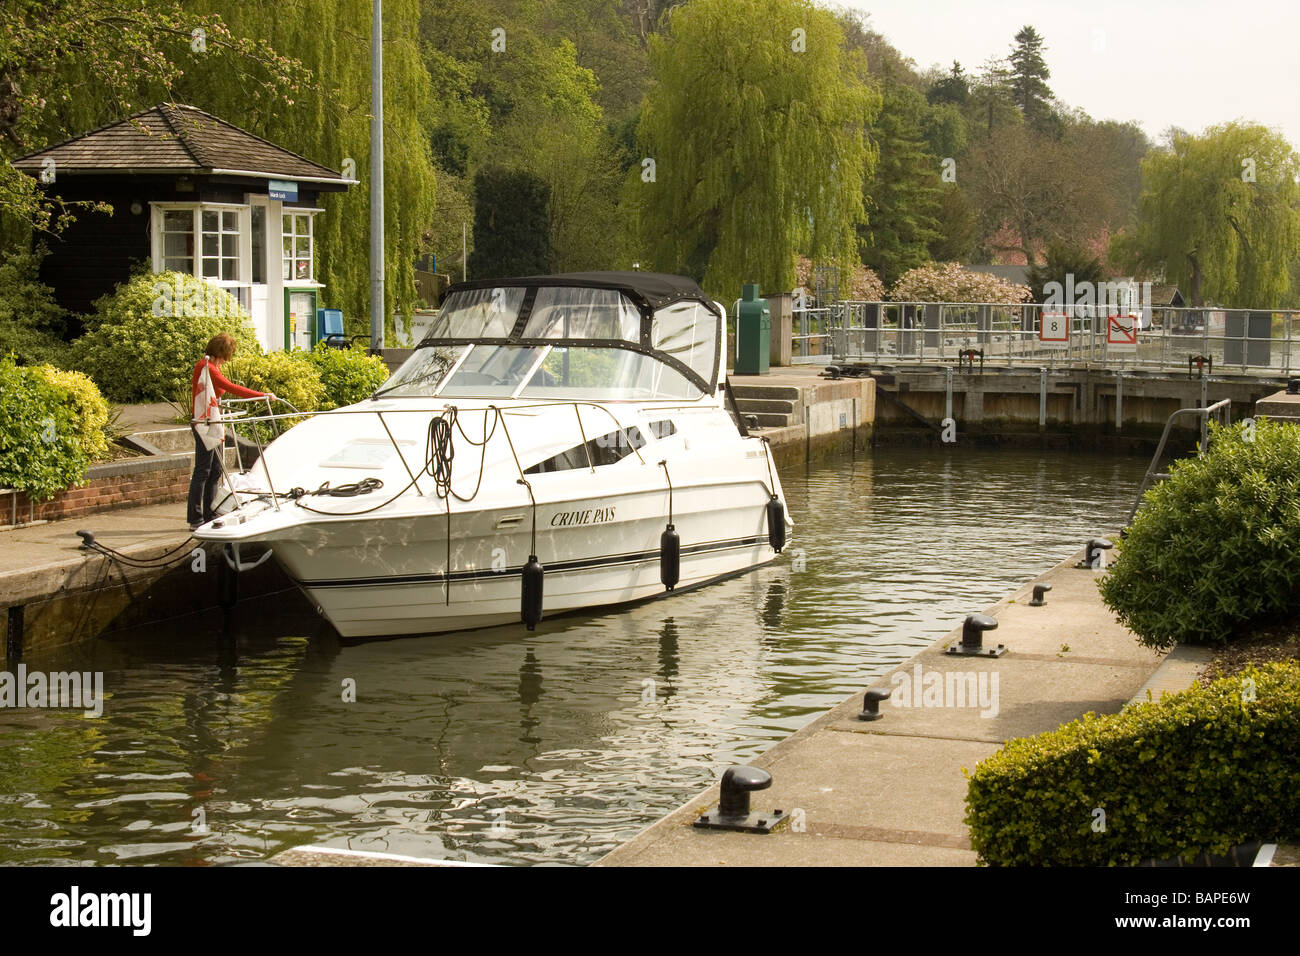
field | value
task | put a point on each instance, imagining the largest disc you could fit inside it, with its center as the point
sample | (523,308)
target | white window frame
(243,227)
(290,262)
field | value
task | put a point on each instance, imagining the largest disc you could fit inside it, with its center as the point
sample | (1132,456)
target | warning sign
(1054,331)
(1122,333)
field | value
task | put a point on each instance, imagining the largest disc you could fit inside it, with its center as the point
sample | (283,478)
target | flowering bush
(863,284)
(949,282)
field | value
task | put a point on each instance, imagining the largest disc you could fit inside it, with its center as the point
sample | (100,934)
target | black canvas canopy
(654,289)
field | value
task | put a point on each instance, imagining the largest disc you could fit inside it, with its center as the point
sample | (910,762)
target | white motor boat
(554,443)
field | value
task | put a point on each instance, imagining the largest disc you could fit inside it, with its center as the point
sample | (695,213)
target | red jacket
(220,383)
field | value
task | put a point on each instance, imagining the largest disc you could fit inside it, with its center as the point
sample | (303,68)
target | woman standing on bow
(209,434)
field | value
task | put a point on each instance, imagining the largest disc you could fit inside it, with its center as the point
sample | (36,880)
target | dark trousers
(204,481)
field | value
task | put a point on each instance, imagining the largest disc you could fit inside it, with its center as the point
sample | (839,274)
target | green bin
(753,333)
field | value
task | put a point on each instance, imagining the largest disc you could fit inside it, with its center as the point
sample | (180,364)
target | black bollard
(1040,590)
(1094,559)
(871,703)
(733,812)
(972,638)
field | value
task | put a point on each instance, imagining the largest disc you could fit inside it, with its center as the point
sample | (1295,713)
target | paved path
(892,792)
(40,561)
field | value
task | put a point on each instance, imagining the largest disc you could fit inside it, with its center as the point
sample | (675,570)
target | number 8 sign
(1054,332)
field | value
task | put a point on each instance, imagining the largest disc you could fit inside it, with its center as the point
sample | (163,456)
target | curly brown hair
(221,346)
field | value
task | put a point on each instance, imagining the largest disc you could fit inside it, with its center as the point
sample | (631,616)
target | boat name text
(565,519)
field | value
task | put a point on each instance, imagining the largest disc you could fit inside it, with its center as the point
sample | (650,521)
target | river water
(552,747)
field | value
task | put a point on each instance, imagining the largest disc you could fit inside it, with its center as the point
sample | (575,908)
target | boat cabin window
(478,314)
(563,313)
(608,449)
(662,429)
(599,374)
(420,374)
(492,371)
(686,332)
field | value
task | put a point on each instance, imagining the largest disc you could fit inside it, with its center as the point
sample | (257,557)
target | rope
(160,561)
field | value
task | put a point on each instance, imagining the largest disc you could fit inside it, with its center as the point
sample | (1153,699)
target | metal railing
(1232,341)
(1222,412)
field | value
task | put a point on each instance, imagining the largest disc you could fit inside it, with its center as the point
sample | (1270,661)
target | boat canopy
(667,318)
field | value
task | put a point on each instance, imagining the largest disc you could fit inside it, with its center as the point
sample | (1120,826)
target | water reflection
(220,744)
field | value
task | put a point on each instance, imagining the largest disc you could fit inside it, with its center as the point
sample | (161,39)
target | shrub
(347,375)
(89,409)
(949,282)
(31,322)
(1212,552)
(146,335)
(288,374)
(40,448)
(1200,772)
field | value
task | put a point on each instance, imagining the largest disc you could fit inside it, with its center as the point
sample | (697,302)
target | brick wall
(114,485)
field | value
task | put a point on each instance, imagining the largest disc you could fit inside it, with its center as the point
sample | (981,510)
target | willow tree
(1220,213)
(329,122)
(754,144)
(71,66)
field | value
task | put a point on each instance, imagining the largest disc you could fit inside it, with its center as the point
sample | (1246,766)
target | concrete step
(790,393)
(769,419)
(171,441)
(779,406)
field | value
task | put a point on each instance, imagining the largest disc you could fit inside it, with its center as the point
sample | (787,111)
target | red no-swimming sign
(1122,330)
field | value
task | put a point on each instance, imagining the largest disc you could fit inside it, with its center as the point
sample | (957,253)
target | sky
(1186,63)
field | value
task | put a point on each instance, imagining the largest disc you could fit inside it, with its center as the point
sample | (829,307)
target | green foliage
(41,451)
(1212,552)
(903,196)
(288,375)
(89,409)
(1200,772)
(1064,259)
(329,121)
(511,224)
(144,339)
(71,66)
(31,322)
(1029,76)
(758,143)
(347,376)
(1221,214)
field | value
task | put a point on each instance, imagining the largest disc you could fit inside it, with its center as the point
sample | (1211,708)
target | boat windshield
(537,372)
(562,342)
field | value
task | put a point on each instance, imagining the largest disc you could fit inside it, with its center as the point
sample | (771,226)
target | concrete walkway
(892,792)
(35,560)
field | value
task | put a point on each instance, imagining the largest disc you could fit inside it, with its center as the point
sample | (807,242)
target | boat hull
(381,577)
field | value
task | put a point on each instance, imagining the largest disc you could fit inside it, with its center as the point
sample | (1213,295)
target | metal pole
(1119,401)
(464,253)
(1042,398)
(377,178)
(947,406)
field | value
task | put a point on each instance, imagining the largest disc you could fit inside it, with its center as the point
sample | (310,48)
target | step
(777,405)
(790,393)
(770,419)
(170,441)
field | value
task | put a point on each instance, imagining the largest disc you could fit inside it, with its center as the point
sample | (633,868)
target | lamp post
(377,178)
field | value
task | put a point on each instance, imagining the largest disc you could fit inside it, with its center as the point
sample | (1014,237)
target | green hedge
(146,335)
(1201,771)
(41,451)
(1213,553)
(32,324)
(347,375)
